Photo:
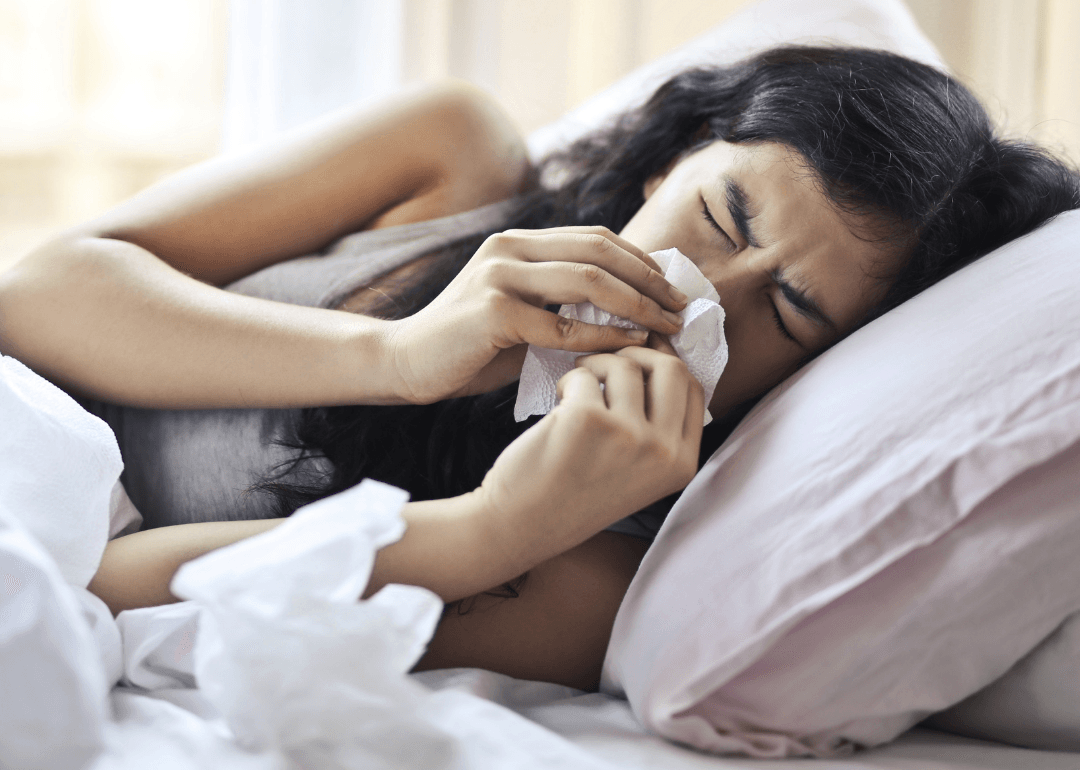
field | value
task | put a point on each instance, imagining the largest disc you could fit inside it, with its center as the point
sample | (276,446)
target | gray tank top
(183,466)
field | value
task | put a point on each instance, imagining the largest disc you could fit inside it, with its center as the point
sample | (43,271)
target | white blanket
(272,663)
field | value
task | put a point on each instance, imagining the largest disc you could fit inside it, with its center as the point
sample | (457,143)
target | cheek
(755,364)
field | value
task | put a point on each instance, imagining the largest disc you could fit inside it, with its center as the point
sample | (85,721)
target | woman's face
(792,276)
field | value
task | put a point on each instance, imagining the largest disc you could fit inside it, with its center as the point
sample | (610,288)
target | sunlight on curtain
(293,60)
(98,98)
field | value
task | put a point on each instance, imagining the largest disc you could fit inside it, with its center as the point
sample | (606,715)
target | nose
(736,281)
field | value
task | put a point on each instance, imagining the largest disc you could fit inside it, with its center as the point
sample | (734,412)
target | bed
(271,662)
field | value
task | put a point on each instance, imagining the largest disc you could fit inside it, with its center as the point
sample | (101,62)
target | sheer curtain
(292,60)
(99,98)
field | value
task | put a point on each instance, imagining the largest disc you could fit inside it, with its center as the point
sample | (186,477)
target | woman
(816,188)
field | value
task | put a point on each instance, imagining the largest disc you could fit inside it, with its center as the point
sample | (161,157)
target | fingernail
(676,295)
(637,335)
(674,318)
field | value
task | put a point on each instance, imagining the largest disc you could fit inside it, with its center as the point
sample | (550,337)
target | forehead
(821,251)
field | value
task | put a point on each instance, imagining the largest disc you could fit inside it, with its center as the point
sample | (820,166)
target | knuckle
(590,273)
(566,328)
(499,303)
(673,365)
(603,232)
(492,271)
(628,365)
(599,242)
(594,421)
(501,241)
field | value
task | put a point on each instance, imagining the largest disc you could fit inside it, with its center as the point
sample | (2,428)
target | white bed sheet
(174,729)
(310,569)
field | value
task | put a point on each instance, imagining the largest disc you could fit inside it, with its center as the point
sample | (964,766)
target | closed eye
(779,321)
(714,224)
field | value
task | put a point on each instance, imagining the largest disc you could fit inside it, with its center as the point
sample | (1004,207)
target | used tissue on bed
(290,657)
(700,343)
(300,668)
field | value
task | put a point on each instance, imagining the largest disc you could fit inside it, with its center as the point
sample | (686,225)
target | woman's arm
(430,153)
(599,456)
(557,630)
(121,309)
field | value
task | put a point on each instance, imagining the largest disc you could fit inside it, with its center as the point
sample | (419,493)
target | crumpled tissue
(299,668)
(700,343)
(289,656)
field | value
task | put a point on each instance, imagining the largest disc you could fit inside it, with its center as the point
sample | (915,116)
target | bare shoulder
(424,153)
(484,157)
(557,630)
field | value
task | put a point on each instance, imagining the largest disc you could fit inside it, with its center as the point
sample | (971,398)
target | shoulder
(557,629)
(481,155)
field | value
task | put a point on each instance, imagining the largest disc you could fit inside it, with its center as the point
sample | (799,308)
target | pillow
(842,567)
(883,24)
(1037,679)
(1037,703)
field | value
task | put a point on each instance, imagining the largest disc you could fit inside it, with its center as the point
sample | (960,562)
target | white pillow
(1037,703)
(822,582)
(885,24)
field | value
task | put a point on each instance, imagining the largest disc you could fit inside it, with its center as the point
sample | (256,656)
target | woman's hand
(600,455)
(472,338)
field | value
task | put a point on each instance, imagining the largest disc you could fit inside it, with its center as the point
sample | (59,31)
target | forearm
(449,547)
(108,319)
(136,570)
(457,548)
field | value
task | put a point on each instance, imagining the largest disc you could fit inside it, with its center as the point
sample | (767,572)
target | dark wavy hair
(885,137)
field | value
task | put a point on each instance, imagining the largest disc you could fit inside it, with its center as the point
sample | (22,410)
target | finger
(665,397)
(580,385)
(624,382)
(590,230)
(605,250)
(694,421)
(569,283)
(548,330)
(661,343)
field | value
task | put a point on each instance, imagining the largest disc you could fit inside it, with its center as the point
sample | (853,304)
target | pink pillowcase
(843,567)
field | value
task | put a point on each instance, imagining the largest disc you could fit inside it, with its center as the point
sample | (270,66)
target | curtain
(292,60)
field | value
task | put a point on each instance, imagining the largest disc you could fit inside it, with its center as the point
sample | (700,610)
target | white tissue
(300,669)
(700,343)
(290,657)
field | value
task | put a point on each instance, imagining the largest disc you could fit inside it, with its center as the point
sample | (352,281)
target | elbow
(482,148)
(37,293)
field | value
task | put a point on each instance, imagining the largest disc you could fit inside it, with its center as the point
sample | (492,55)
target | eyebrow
(801,301)
(738,206)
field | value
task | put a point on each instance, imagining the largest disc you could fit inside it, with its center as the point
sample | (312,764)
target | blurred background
(99,98)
